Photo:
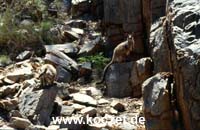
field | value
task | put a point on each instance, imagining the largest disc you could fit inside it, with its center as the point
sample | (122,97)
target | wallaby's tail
(104,73)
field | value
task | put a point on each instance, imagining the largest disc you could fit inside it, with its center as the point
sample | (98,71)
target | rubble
(19,123)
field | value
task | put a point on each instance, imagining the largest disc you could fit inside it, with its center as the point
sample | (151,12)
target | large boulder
(38,105)
(157,106)
(125,79)
(178,46)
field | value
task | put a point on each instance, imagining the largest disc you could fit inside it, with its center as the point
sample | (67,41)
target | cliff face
(175,48)
(172,42)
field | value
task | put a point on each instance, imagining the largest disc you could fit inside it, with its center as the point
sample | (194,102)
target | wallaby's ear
(132,34)
(125,34)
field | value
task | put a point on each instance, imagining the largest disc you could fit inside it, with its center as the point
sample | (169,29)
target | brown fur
(119,54)
(47,75)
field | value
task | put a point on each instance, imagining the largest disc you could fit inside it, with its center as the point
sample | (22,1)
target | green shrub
(98,60)
(16,36)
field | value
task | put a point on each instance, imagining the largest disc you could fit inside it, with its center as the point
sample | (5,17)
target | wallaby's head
(131,41)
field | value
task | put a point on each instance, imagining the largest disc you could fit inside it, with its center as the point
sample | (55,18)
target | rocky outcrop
(38,105)
(125,79)
(122,17)
(157,103)
(175,48)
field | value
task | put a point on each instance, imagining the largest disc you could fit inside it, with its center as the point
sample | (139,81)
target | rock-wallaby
(47,75)
(120,54)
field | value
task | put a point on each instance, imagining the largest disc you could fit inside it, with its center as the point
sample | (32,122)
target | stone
(90,47)
(156,102)
(19,123)
(175,48)
(72,125)
(71,35)
(67,110)
(117,80)
(63,75)
(85,69)
(84,99)
(113,111)
(9,104)
(96,126)
(26,22)
(63,91)
(124,12)
(36,127)
(118,106)
(76,23)
(53,127)
(78,107)
(142,69)
(59,58)
(24,55)
(78,31)
(20,74)
(15,113)
(38,103)
(93,91)
(90,111)
(127,126)
(80,7)
(9,90)
(5,127)
(70,49)
(102,101)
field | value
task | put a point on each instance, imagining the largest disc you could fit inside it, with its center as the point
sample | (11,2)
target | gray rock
(142,69)
(102,101)
(72,125)
(90,47)
(156,102)
(68,48)
(113,111)
(20,74)
(84,99)
(127,126)
(176,48)
(119,12)
(53,127)
(90,111)
(15,113)
(19,123)
(125,79)
(9,104)
(76,23)
(26,23)
(85,68)
(36,127)
(63,75)
(59,58)
(67,110)
(78,107)
(71,35)
(38,105)
(24,55)
(5,127)
(118,106)
(9,90)
(118,80)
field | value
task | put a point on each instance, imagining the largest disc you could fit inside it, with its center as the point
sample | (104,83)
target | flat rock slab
(84,99)
(59,58)
(67,48)
(90,47)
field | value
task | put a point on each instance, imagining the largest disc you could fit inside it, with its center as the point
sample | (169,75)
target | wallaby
(120,54)
(47,75)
